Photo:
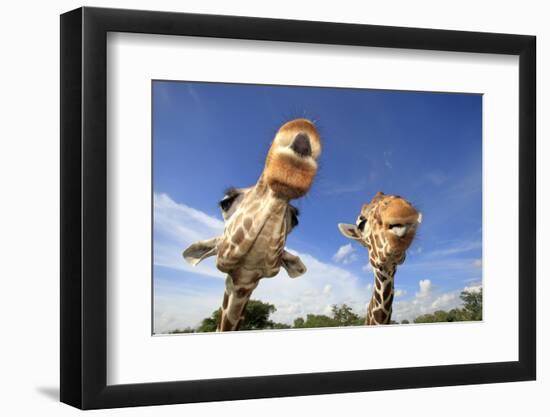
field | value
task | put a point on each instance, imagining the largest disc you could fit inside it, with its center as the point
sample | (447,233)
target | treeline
(472,310)
(258,314)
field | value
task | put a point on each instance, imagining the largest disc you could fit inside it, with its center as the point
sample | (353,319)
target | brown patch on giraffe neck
(387,291)
(380,316)
(238,236)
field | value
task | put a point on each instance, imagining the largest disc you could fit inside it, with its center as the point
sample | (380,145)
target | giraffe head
(291,162)
(264,209)
(386,226)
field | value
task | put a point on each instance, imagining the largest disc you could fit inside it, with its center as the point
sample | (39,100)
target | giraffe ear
(200,250)
(293,265)
(350,231)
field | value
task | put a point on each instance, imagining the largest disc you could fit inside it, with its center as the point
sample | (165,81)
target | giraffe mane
(294,213)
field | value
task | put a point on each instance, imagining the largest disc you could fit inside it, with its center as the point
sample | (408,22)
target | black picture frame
(84,207)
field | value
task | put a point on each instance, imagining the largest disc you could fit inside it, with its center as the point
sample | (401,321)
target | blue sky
(423,146)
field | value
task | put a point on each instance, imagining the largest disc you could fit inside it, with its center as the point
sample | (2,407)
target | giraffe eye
(361,225)
(227,201)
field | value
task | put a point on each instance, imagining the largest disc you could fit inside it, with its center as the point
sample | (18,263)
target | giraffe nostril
(301,145)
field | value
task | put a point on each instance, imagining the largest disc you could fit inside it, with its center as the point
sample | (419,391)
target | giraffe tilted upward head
(259,218)
(386,226)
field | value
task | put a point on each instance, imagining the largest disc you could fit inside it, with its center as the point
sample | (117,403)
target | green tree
(473,303)
(345,316)
(299,323)
(281,326)
(472,309)
(315,320)
(210,324)
(186,330)
(340,316)
(256,317)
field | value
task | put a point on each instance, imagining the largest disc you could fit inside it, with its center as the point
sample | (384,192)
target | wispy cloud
(435,178)
(176,226)
(345,254)
(193,93)
(329,187)
(456,248)
(387,155)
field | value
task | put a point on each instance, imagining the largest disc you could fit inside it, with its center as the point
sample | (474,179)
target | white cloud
(367,268)
(425,286)
(399,292)
(345,254)
(447,301)
(427,300)
(477,263)
(473,288)
(313,293)
(178,306)
(176,226)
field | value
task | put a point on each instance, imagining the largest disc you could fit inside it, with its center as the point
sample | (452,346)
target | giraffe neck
(251,249)
(380,306)
(235,299)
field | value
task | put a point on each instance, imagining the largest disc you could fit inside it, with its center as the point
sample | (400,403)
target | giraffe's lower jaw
(289,176)
(286,191)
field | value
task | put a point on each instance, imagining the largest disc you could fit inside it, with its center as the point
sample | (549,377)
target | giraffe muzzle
(399,230)
(301,145)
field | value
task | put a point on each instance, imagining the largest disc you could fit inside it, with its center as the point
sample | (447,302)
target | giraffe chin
(286,191)
(288,177)
(399,245)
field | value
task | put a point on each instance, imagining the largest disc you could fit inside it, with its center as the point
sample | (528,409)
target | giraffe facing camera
(386,227)
(258,220)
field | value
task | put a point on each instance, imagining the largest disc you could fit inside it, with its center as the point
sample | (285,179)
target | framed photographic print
(257,208)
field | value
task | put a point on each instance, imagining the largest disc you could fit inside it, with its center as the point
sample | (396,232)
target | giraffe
(386,227)
(258,219)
